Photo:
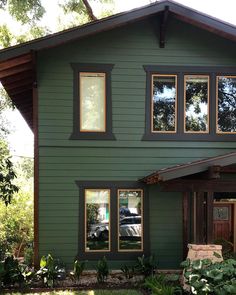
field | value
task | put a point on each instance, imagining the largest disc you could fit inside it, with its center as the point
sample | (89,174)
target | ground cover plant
(87,292)
(205,277)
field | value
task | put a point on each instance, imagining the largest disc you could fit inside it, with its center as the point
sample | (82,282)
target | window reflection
(92,102)
(97,216)
(164,103)
(226,118)
(130,219)
(196,103)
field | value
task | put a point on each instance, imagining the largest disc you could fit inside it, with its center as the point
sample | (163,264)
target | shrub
(78,270)
(145,265)
(128,271)
(161,285)
(50,271)
(206,277)
(12,272)
(102,270)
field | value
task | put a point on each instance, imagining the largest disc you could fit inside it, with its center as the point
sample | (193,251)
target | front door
(223,222)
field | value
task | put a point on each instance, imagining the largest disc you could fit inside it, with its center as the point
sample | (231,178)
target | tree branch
(89,10)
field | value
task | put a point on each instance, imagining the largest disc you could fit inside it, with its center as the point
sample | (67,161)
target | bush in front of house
(102,270)
(205,277)
(50,271)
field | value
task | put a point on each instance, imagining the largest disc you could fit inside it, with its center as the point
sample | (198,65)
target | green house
(134,118)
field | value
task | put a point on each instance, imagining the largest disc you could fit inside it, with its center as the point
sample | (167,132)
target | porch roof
(189,168)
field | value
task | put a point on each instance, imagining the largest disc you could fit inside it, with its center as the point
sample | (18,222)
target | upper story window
(196,102)
(190,103)
(226,104)
(164,106)
(92,101)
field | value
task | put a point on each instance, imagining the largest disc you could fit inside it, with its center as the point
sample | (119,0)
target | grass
(89,292)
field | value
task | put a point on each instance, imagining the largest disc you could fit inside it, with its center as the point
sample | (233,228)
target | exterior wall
(63,161)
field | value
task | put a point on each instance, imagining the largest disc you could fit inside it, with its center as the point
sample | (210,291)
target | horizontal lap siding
(63,161)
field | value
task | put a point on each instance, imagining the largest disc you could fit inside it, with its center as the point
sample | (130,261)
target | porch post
(209,218)
(200,219)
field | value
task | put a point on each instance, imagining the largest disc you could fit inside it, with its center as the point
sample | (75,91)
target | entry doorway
(224,223)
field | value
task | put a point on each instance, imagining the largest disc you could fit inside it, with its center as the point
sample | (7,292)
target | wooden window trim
(208,104)
(80,102)
(118,220)
(77,133)
(113,186)
(217,100)
(180,71)
(176,103)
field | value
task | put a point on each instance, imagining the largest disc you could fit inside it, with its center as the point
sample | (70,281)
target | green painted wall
(63,161)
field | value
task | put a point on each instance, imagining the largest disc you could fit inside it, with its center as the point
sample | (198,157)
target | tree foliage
(7,175)
(16,220)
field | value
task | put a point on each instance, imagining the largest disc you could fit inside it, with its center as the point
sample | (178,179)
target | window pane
(226,104)
(130,219)
(196,103)
(97,218)
(92,102)
(164,103)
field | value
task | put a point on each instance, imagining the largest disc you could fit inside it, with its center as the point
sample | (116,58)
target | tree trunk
(89,10)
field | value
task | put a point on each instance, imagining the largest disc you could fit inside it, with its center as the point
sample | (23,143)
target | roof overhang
(17,67)
(190,168)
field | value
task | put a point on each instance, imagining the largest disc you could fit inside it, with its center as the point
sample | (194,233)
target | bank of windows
(196,113)
(98,229)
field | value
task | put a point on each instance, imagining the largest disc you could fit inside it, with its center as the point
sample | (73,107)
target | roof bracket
(163,25)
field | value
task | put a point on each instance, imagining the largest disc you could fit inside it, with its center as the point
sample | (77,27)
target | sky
(21,139)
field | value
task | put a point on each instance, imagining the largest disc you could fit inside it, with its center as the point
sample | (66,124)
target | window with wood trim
(92,101)
(164,106)
(97,220)
(196,103)
(113,220)
(190,103)
(226,104)
(130,220)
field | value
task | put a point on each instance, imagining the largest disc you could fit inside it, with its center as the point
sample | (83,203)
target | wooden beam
(15,70)
(19,83)
(209,217)
(199,185)
(200,217)
(17,77)
(163,26)
(228,169)
(7,64)
(186,222)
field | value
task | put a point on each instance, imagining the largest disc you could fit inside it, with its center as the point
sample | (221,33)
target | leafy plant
(78,269)
(102,270)
(145,265)
(50,270)
(206,277)
(28,255)
(159,285)
(11,272)
(128,271)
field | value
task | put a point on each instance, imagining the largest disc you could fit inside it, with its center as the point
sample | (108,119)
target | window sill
(92,136)
(188,137)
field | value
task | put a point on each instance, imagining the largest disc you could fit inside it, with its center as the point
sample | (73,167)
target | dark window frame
(114,253)
(92,68)
(181,71)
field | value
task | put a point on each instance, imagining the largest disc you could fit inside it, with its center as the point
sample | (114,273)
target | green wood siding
(63,161)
